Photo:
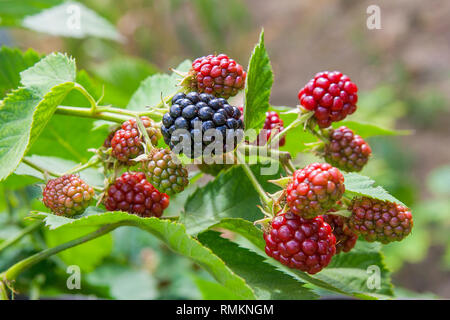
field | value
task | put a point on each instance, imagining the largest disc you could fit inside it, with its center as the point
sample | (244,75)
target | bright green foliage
(358,185)
(257,88)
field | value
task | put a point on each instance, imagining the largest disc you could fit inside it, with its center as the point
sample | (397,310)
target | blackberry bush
(197,120)
(316,212)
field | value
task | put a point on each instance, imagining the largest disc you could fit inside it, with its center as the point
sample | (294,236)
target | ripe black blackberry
(165,172)
(198,121)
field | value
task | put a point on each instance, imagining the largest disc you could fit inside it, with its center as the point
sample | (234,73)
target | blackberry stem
(39,168)
(87,113)
(3,292)
(143,131)
(264,197)
(19,236)
(87,95)
(13,272)
(71,171)
(302,119)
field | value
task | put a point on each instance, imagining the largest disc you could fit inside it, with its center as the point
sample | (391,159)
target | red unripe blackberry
(165,172)
(299,243)
(132,193)
(107,142)
(272,125)
(217,75)
(314,189)
(331,95)
(67,195)
(347,150)
(127,142)
(382,221)
(345,237)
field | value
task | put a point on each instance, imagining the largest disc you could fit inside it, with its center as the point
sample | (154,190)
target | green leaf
(347,274)
(122,76)
(358,185)
(265,280)
(366,130)
(172,234)
(12,62)
(23,116)
(71,19)
(124,283)
(54,69)
(156,86)
(87,255)
(258,86)
(13,11)
(230,195)
(213,291)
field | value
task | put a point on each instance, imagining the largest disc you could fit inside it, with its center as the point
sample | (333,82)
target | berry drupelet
(345,237)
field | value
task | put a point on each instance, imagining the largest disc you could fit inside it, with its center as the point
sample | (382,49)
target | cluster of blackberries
(309,232)
(198,121)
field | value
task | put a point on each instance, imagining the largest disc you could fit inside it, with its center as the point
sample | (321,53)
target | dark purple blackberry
(199,124)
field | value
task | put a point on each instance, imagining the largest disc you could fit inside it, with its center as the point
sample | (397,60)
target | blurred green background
(402,72)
